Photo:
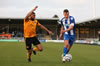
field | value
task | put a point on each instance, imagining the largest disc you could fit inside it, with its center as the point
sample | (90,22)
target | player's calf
(36,49)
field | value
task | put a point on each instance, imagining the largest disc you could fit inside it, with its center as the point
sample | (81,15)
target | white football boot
(63,59)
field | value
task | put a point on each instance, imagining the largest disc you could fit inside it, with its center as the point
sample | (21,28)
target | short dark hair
(66,10)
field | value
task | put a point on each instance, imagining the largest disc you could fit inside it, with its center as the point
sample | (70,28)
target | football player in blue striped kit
(68,29)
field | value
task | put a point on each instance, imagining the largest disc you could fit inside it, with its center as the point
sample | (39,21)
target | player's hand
(35,8)
(64,31)
(51,33)
(60,36)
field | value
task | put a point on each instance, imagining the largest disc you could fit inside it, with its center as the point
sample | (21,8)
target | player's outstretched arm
(31,12)
(44,28)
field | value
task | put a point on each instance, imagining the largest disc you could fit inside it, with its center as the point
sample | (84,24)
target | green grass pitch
(14,54)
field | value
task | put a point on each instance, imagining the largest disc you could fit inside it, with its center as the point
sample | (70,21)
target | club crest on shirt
(66,24)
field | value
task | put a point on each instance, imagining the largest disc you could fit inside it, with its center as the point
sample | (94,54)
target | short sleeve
(38,24)
(72,21)
(61,22)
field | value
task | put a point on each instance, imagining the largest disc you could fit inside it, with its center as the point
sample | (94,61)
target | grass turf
(14,54)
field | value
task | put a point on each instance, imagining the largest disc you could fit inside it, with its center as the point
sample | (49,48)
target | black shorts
(30,41)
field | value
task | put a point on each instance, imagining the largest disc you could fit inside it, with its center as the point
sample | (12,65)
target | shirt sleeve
(61,22)
(72,21)
(38,24)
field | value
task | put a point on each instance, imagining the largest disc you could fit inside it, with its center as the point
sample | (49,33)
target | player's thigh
(71,41)
(66,40)
(39,46)
(28,43)
(37,43)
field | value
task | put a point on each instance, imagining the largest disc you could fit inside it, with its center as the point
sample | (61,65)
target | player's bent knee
(40,49)
(66,45)
(30,51)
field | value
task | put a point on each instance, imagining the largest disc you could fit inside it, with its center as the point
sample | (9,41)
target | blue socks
(65,51)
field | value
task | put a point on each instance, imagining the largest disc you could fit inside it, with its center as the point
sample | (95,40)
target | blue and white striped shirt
(66,23)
